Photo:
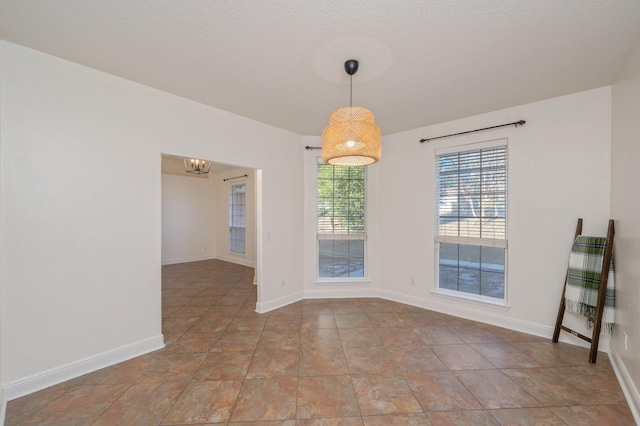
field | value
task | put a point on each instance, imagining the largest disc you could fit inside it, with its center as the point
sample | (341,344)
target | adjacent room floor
(328,362)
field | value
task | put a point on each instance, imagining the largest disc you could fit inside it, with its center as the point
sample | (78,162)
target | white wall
(3,402)
(80,217)
(625,205)
(558,172)
(222,189)
(188,219)
(195,217)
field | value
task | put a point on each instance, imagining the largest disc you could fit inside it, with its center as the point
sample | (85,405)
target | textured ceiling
(281,62)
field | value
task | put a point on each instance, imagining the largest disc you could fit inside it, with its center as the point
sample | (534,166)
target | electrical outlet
(625,341)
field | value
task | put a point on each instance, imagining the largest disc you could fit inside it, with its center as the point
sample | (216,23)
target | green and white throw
(583,281)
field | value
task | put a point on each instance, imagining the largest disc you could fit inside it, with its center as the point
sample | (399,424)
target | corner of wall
(626,383)
(3,406)
(3,400)
(625,107)
(264,307)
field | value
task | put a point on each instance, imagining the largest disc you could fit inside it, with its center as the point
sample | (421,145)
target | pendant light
(352,137)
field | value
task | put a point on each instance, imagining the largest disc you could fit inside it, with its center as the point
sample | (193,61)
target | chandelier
(352,137)
(198,167)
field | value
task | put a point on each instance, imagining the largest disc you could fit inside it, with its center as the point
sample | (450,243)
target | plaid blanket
(583,281)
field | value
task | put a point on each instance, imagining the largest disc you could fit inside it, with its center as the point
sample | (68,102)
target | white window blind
(471,221)
(341,221)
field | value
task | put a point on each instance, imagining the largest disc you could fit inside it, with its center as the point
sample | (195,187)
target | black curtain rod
(312,147)
(515,123)
(234,177)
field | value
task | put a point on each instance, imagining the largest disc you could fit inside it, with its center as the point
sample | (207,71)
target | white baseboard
(187,259)
(626,383)
(265,307)
(237,260)
(332,293)
(229,259)
(469,310)
(341,293)
(463,309)
(75,369)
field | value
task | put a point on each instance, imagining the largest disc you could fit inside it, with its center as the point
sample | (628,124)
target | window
(471,221)
(237,218)
(341,221)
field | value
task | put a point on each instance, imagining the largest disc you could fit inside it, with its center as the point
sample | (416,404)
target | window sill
(470,298)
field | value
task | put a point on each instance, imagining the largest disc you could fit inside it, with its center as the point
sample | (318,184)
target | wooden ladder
(602,292)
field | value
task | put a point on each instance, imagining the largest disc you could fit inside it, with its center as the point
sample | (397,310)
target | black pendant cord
(351,90)
(515,123)
(351,67)
(237,177)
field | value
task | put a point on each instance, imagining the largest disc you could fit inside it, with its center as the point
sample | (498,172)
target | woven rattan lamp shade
(352,138)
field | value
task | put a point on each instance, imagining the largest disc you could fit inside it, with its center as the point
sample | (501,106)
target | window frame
(471,241)
(231,216)
(334,237)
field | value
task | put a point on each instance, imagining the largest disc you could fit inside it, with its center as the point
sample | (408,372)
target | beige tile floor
(328,362)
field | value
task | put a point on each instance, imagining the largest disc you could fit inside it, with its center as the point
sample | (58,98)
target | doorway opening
(213,214)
